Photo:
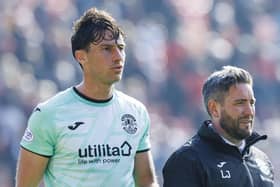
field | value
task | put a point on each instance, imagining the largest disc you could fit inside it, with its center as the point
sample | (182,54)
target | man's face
(105,61)
(237,112)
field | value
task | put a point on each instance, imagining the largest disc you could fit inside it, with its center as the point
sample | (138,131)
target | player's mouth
(118,68)
(247,122)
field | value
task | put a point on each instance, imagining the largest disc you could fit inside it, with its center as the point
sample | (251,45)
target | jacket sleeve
(183,169)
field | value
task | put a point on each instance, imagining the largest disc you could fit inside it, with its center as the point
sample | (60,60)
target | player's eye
(252,102)
(121,47)
(107,48)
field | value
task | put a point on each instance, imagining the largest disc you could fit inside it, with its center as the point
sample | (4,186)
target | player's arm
(144,172)
(30,169)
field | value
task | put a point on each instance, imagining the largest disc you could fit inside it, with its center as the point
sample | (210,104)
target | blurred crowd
(172,46)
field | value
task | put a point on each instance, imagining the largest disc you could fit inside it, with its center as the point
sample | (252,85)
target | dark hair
(218,83)
(91,28)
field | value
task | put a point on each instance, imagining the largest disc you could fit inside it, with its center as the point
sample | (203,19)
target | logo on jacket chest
(265,169)
(263,166)
(225,173)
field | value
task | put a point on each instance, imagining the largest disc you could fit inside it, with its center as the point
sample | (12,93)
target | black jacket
(207,161)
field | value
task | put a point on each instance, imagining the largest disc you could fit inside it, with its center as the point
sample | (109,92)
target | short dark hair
(91,28)
(218,83)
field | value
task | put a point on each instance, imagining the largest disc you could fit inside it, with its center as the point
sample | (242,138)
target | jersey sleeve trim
(144,150)
(47,156)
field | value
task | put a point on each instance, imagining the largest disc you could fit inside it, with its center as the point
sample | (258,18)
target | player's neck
(97,92)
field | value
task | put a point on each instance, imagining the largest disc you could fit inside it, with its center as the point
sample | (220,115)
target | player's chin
(247,132)
(116,79)
(119,76)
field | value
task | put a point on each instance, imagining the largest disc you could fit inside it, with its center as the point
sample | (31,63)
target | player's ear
(81,56)
(214,109)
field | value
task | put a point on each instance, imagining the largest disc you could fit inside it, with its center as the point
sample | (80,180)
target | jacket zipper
(248,172)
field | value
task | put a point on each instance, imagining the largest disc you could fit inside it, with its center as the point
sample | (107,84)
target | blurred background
(172,46)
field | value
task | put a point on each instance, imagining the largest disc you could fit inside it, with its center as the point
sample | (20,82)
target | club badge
(129,123)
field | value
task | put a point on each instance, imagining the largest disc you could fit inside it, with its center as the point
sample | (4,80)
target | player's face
(238,111)
(105,61)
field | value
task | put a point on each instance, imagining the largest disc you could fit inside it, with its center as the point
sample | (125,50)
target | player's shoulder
(122,97)
(258,153)
(190,149)
(184,155)
(59,99)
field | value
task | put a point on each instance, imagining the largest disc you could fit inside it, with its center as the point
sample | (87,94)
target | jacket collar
(209,134)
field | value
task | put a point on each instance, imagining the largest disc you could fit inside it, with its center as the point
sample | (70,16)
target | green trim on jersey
(89,144)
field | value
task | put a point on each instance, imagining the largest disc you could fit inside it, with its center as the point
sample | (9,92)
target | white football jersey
(89,144)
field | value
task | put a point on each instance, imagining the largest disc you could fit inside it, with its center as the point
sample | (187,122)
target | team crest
(28,135)
(263,166)
(129,123)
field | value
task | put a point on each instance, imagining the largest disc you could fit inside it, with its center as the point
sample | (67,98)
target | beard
(233,126)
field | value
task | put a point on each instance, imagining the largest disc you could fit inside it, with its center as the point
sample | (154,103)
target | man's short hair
(218,83)
(92,27)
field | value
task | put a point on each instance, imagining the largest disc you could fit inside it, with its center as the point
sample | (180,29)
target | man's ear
(214,108)
(81,56)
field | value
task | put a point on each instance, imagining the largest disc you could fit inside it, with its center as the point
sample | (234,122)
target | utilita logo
(105,150)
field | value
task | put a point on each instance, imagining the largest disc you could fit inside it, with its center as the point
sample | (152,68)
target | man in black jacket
(222,154)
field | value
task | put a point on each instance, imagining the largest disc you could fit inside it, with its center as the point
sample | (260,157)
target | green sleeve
(145,139)
(39,136)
